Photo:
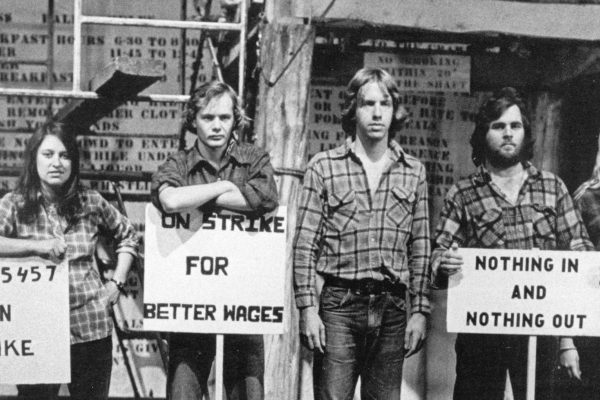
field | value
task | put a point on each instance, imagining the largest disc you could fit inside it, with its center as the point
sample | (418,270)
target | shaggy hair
(203,95)
(387,85)
(29,184)
(490,111)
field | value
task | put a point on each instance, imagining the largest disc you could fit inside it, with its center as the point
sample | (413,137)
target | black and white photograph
(300,199)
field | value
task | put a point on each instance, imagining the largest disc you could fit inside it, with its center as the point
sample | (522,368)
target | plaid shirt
(342,231)
(587,200)
(88,298)
(247,166)
(477,214)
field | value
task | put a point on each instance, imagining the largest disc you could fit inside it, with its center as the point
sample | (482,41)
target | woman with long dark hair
(51,215)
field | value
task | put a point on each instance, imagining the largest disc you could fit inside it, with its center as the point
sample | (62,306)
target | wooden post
(281,128)
(531,364)
(545,127)
(219,368)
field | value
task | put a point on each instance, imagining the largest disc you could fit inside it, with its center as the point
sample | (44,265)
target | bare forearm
(176,199)
(12,247)
(233,200)
(124,261)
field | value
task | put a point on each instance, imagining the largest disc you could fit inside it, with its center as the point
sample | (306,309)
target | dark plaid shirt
(477,214)
(342,231)
(88,298)
(587,199)
(247,166)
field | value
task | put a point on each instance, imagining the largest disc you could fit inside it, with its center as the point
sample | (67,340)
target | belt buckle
(369,286)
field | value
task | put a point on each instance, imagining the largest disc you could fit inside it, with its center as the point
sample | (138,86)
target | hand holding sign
(569,360)
(451,262)
(54,249)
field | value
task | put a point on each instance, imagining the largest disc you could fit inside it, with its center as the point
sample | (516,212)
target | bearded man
(506,204)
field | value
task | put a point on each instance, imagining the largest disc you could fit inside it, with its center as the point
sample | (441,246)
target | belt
(367,286)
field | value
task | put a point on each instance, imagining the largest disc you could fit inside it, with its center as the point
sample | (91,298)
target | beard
(498,159)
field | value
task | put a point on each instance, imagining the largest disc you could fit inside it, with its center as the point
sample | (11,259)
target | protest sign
(214,273)
(528,292)
(34,322)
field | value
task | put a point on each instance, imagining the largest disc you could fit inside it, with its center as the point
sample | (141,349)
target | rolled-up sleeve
(121,228)
(589,207)
(571,232)
(172,172)
(8,212)
(259,189)
(420,275)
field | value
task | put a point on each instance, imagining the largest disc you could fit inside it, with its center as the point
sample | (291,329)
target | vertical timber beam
(278,10)
(281,128)
(545,128)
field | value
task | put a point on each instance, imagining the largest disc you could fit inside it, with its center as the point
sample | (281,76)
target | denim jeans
(190,361)
(91,365)
(364,337)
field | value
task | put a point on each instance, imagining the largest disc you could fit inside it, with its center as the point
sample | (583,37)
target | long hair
(386,83)
(29,184)
(490,111)
(203,95)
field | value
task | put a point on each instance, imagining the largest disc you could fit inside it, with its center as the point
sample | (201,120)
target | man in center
(362,226)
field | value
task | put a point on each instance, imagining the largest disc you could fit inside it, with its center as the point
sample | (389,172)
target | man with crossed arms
(217,172)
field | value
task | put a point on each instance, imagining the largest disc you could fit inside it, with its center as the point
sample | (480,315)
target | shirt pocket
(489,228)
(342,211)
(400,211)
(544,221)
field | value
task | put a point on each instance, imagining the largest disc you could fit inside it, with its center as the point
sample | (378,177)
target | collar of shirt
(231,153)
(482,176)
(394,151)
(45,202)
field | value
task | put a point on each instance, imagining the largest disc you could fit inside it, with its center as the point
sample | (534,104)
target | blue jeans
(365,337)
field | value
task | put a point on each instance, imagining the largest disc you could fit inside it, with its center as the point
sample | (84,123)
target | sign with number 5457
(34,321)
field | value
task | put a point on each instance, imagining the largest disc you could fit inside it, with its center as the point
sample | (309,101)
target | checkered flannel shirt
(246,166)
(587,200)
(88,298)
(342,232)
(477,214)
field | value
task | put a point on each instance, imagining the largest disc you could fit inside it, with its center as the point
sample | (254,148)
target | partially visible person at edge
(51,215)
(217,172)
(363,227)
(587,200)
(506,204)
